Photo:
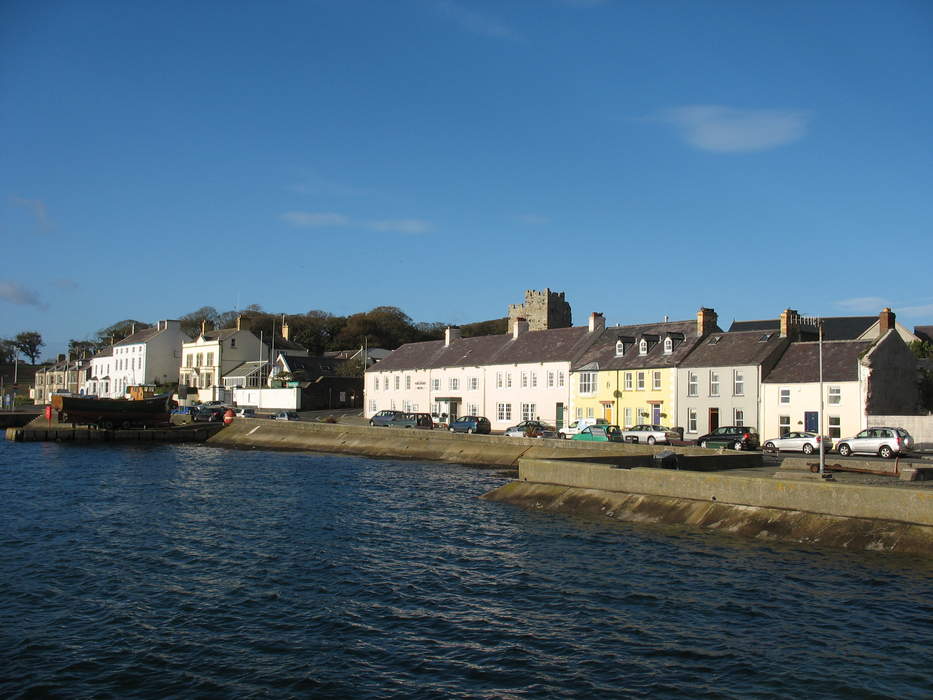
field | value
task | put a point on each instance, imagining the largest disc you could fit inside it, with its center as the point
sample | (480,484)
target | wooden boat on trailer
(113,413)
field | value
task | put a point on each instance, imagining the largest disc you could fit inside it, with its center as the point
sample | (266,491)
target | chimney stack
(242,323)
(203,326)
(706,321)
(519,327)
(451,333)
(790,324)
(597,322)
(132,328)
(285,330)
(886,320)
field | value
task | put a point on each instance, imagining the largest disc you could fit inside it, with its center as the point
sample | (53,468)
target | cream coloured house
(860,378)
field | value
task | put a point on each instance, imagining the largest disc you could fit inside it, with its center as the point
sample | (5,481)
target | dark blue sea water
(193,571)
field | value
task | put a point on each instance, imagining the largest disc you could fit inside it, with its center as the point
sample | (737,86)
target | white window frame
(713,383)
(503,411)
(529,411)
(436,384)
(834,395)
(408,381)
(668,346)
(783,425)
(640,381)
(693,384)
(453,383)
(656,380)
(627,382)
(738,416)
(738,382)
(834,424)
(642,347)
(784,394)
(474,383)
(587,384)
(524,380)
(692,420)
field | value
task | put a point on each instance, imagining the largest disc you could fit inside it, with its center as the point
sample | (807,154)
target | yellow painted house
(629,375)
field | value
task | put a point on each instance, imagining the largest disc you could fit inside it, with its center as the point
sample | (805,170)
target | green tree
(7,351)
(82,348)
(921,349)
(118,331)
(28,343)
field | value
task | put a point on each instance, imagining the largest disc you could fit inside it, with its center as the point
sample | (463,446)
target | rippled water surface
(194,571)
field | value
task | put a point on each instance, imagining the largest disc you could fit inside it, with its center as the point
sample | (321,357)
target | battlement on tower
(543,309)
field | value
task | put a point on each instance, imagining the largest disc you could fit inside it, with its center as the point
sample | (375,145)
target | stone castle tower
(542,309)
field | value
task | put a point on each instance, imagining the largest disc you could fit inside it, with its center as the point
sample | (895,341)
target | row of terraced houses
(689,374)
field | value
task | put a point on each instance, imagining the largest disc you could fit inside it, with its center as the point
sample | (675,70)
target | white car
(884,442)
(568,431)
(650,434)
(805,442)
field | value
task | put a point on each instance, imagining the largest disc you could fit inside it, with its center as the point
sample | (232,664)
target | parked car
(651,434)
(384,418)
(806,442)
(470,424)
(532,428)
(414,420)
(739,437)
(576,426)
(245,413)
(600,433)
(286,415)
(207,414)
(884,442)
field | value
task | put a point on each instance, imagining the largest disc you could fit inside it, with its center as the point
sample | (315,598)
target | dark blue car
(470,424)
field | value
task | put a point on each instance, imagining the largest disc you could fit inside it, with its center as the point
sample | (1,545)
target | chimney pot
(597,322)
(790,323)
(451,333)
(706,321)
(886,320)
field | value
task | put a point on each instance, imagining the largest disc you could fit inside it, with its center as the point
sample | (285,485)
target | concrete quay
(896,518)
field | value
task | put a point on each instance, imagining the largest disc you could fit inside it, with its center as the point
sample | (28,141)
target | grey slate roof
(924,333)
(313,366)
(800,363)
(834,328)
(220,334)
(140,336)
(603,350)
(553,345)
(736,348)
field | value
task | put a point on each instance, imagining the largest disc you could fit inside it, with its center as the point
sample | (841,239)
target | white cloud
(863,304)
(37,207)
(533,219)
(16,293)
(729,130)
(308,219)
(923,310)
(410,226)
(475,22)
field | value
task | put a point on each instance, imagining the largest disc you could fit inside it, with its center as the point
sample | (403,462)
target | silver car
(651,434)
(806,442)
(884,442)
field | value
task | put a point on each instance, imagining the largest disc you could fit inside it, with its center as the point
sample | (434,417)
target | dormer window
(620,348)
(643,347)
(668,346)
(765,338)
(715,339)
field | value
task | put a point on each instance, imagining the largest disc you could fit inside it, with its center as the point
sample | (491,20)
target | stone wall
(542,309)
(919,427)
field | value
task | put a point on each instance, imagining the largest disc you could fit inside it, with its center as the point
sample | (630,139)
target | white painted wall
(419,390)
(283,399)
(806,397)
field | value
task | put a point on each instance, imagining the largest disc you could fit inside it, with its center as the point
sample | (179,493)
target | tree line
(317,331)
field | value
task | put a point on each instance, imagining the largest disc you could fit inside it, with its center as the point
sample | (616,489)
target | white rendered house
(508,378)
(148,356)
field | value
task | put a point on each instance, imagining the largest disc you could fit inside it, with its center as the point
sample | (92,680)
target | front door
(452,411)
(811,421)
(656,414)
(559,412)
(713,419)
(607,412)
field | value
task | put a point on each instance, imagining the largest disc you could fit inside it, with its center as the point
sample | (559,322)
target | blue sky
(647,158)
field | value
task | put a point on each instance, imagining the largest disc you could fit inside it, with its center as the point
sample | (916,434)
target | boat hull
(113,413)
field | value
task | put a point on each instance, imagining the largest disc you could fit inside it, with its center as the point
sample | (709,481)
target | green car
(600,433)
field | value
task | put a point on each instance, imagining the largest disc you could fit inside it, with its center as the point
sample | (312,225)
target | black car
(738,437)
(207,414)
